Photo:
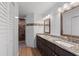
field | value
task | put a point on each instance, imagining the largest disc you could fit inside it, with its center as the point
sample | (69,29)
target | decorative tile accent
(34,24)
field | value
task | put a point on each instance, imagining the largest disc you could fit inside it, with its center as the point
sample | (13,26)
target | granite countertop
(67,45)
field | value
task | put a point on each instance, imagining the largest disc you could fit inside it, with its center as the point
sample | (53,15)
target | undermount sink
(65,43)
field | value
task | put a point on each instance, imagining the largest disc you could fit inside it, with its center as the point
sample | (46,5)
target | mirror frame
(48,19)
(61,18)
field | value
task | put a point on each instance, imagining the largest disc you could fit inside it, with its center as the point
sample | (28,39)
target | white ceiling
(26,8)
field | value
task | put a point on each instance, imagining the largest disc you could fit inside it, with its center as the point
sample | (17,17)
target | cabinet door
(48,51)
(37,42)
(39,45)
(49,45)
(45,47)
(61,52)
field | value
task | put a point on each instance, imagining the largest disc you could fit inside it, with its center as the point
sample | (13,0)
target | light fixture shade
(60,10)
(48,16)
(63,8)
(67,6)
(74,4)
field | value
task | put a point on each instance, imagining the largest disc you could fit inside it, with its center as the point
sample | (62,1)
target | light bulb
(61,10)
(65,6)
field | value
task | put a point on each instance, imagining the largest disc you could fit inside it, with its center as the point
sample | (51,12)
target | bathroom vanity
(52,46)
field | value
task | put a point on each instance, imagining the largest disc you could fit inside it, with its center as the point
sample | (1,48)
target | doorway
(21,33)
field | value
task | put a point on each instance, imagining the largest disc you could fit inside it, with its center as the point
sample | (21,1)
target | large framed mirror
(70,22)
(47,26)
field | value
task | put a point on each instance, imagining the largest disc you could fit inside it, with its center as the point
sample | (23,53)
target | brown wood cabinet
(47,48)
(62,52)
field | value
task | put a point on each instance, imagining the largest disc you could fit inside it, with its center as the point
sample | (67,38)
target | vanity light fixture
(74,4)
(48,16)
(60,10)
(67,6)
